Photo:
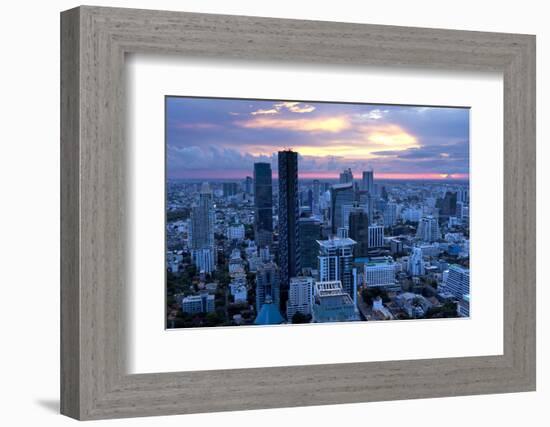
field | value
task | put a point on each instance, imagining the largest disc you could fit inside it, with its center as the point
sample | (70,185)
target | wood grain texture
(94,381)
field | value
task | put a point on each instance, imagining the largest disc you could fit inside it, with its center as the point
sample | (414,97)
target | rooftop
(336,242)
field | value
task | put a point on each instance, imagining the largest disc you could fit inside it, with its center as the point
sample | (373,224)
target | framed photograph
(261,213)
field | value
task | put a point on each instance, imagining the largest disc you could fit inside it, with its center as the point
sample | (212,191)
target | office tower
(367,182)
(201,231)
(366,201)
(447,205)
(457,281)
(229,189)
(309,231)
(289,212)
(336,262)
(376,236)
(359,230)
(316,192)
(248,185)
(263,204)
(416,262)
(428,229)
(346,176)
(380,272)
(390,214)
(463,195)
(331,303)
(310,199)
(300,296)
(267,285)
(340,195)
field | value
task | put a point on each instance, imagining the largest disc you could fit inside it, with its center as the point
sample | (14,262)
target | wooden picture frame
(94,41)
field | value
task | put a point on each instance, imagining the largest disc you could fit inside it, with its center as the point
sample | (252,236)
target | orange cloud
(321,124)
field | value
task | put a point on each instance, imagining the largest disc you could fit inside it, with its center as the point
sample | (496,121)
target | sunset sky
(222,138)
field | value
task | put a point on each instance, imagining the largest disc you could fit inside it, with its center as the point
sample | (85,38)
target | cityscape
(293,212)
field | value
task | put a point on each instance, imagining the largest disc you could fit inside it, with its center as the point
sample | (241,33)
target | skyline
(212,138)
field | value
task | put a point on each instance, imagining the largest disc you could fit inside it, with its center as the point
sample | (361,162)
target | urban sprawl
(275,249)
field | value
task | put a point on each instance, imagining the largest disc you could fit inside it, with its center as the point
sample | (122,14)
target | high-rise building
(428,229)
(390,214)
(289,212)
(341,195)
(300,296)
(416,262)
(376,236)
(248,185)
(336,262)
(229,189)
(316,192)
(346,176)
(331,303)
(267,285)
(447,205)
(359,230)
(367,182)
(201,231)
(457,281)
(309,231)
(263,204)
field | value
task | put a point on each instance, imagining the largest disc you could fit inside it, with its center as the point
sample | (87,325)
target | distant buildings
(380,272)
(336,262)
(267,285)
(300,296)
(346,176)
(289,212)
(376,236)
(331,303)
(428,229)
(309,231)
(263,204)
(457,281)
(341,196)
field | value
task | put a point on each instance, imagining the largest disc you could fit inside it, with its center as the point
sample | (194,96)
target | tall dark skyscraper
(309,232)
(359,230)
(367,183)
(263,204)
(289,212)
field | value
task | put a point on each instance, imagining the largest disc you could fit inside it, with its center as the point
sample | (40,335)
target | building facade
(428,229)
(263,204)
(300,296)
(267,285)
(380,272)
(341,195)
(336,262)
(289,212)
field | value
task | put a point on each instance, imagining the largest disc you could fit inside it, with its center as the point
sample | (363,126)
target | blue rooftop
(269,315)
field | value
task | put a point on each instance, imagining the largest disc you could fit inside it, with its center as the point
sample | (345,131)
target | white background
(29,216)
(152,348)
